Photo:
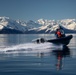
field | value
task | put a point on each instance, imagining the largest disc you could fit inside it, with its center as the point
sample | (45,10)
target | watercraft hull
(63,40)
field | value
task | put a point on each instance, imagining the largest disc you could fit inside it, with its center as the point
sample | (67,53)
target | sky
(38,9)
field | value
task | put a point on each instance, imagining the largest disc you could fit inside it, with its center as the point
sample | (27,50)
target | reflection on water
(60,54)
(20,57)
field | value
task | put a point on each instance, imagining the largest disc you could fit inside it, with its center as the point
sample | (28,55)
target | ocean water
(20,56)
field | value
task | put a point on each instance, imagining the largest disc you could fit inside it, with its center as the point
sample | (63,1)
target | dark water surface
(19,56)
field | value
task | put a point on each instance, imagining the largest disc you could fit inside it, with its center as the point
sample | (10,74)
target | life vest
(59,34)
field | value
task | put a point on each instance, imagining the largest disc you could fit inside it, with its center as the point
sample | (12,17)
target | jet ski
(61,38)
(64,40)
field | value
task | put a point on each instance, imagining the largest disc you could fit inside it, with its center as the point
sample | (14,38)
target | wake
(29,48)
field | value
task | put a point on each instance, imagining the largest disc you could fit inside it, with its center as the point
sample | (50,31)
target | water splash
(29,48)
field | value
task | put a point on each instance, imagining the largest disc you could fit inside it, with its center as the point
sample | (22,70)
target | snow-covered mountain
(8,25)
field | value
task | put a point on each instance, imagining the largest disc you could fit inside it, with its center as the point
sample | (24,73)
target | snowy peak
(31,24)
(4,18)
(3,22)
(46,22)
(11,24)
(67,23)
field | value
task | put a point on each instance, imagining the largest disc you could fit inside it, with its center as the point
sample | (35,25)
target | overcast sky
(37,9)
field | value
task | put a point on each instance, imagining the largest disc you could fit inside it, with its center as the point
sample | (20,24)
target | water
(20,56)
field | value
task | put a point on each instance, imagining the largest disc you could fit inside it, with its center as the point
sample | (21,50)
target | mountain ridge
(10,26)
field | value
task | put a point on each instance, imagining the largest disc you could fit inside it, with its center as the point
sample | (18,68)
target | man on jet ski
(59,33)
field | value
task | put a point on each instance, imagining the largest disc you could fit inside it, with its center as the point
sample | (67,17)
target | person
(59,33)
